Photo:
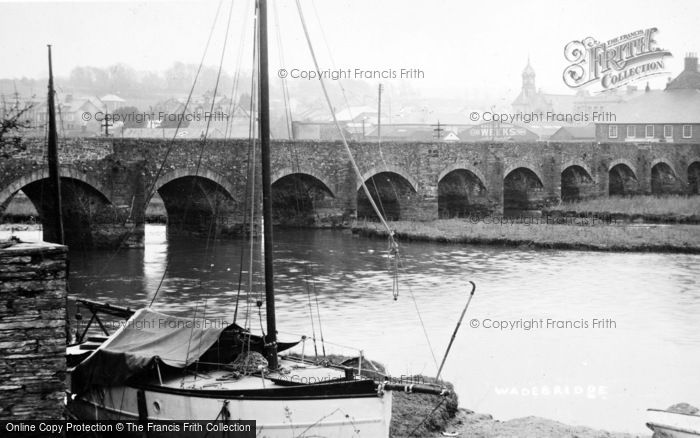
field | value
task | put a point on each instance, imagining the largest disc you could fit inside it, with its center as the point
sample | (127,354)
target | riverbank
(635,209)
(540,233)
(468,424)
(431,416)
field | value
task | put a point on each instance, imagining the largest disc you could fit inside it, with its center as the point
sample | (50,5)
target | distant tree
(244,101)
(81,77)
(150,82)
(14,118)
(122,78)
(179,77)
(131,116)
(91,79)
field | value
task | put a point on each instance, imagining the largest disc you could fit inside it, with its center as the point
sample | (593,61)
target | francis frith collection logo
(615,62)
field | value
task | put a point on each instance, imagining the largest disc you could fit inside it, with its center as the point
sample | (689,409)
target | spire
(528,71)
(528,79)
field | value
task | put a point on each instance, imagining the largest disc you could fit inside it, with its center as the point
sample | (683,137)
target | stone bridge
(107,183)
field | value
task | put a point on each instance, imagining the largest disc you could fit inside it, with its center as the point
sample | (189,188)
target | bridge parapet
(206,183)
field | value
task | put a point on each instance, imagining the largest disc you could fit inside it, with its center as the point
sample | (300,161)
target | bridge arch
(197,202)
(85,206)
(203,172)
(462,191)
(664,178)
(625,162)
(64,171)
(459,166)
(287,171)
(523,190)
(622,178)
(524,165)
(302,198)
(392,189)
(576,181)
(388,169)
(579,163)
(666,162)
(693,176)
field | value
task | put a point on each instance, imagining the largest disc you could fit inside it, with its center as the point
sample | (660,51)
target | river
(585,338)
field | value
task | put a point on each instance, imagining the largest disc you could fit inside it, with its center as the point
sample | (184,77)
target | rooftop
(669,106)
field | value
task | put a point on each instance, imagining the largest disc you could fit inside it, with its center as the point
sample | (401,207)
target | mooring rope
(442,400)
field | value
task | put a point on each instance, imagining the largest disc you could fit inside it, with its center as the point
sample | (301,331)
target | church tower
(529,99)
(528,75)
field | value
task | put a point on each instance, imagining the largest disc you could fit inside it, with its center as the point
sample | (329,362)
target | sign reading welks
(615,62)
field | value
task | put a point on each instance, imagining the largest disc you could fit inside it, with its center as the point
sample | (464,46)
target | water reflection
(604,377)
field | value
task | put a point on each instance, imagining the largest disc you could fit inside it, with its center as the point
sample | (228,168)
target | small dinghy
(667,424)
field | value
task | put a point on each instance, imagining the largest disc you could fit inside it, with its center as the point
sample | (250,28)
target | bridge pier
(494,168)
(106,181)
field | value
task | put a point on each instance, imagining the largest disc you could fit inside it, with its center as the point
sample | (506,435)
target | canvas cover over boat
(150,336)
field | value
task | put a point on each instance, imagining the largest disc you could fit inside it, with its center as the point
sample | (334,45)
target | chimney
(691,62)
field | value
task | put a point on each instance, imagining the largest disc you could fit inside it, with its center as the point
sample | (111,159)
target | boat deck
(294,372)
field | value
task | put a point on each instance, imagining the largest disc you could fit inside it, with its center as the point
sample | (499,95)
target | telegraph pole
(379,114)
(438,130)
(54,176)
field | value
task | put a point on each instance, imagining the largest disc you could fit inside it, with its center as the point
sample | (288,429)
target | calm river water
(644,351)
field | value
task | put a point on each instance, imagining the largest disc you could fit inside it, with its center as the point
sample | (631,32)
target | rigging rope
(285,90)
(237,76)
(442,400)
(151,190)
(311,314)
(337,125)
(318,314)
(393,244)
(250,188)
(252,135)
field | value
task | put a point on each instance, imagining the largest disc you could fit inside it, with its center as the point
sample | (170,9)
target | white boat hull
(275,417)
(673,425)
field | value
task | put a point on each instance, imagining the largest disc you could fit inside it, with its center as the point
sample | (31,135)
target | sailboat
(158,367)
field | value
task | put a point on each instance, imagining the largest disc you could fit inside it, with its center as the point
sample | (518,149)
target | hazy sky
(460,45)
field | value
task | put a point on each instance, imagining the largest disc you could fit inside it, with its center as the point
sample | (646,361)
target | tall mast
(271,338)
(55,213)
(379,114)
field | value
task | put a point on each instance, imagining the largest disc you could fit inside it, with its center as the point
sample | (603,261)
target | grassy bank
(600,237)
(468,424)
(655,208)
(414,414)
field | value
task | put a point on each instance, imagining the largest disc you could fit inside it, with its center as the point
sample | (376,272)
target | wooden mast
(271,337)
(55,216)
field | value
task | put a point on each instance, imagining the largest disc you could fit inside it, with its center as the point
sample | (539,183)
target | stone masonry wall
(32,330)
(125,170)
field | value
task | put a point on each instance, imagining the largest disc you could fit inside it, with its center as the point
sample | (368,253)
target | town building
(491,131)
(671,115)
(532,100)
(574,133)
(76,116)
